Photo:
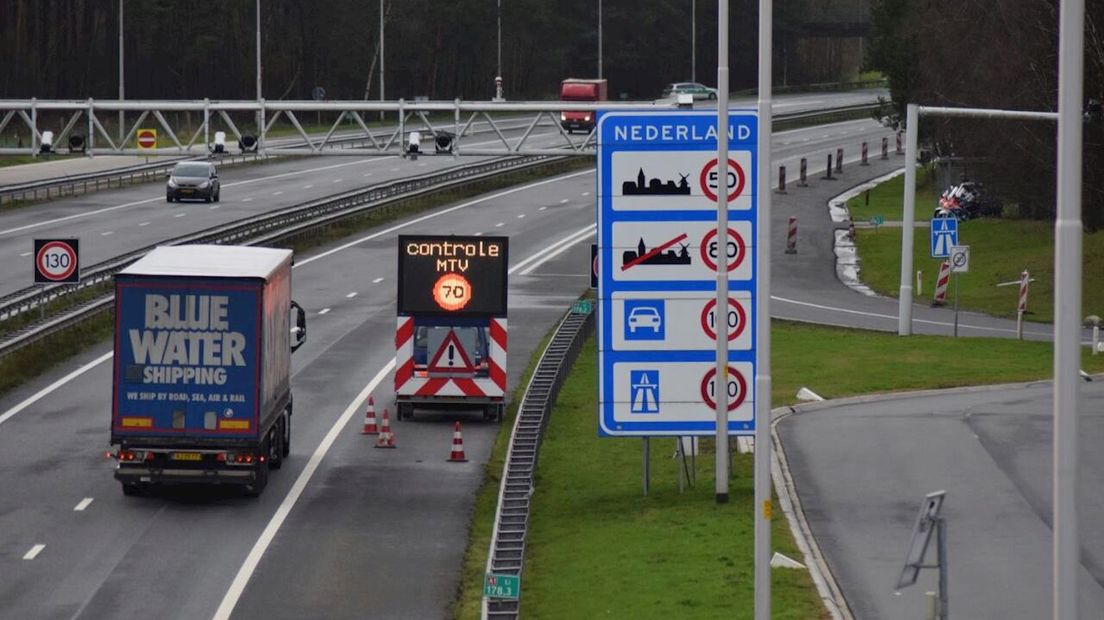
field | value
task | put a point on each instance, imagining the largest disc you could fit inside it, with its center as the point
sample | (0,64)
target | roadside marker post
(828,169)
(791,236)
(839,160)
(864,161)
(885,148)
(940,296)
(802,181)
(919,282)
(781,179)
(1021,307)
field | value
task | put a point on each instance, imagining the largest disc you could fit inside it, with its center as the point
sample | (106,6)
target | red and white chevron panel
(410,381)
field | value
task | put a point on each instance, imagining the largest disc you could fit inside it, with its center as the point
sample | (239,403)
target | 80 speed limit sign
(56,260)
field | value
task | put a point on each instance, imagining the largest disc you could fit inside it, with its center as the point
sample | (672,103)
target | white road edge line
(565,245)
(589,228)
(35,550)
(83,504)
(377,280)
(237,587)
(30,400)
(323,311)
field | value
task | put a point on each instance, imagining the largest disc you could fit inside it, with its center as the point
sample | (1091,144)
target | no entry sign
(56,260)
(147,139)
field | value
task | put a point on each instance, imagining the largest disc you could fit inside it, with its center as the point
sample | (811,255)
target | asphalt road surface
(862,468)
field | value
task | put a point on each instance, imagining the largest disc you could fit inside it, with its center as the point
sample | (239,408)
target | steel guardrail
(265,228)
(506,554)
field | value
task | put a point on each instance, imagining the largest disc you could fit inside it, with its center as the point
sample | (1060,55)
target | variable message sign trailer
(203,344)
(450,342)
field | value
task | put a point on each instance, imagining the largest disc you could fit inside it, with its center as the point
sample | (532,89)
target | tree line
(441,49)
(1004,55)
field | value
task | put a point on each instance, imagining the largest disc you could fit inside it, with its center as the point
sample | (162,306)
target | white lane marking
(277,193)
(395,169)
(159,198)
(589,228)
(542,208)
(564,201)
(33,553)
(53,386)
(46,391)
(478,234)
(83,504)
(367,174)
(351,295)
(377,280)
(237,587)
(308,186)
(144,224)
(565,244)
(25,254)
(521,217)
(421,164)
(586,193)
(213,207)
(337,180)
(323,311)
(418,220)
(180,215)
(110,232)
(500,224)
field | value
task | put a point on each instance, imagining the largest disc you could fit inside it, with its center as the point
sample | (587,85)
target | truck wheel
(132,489)
(276,446)
(404,411)
(258,486)
(287,435)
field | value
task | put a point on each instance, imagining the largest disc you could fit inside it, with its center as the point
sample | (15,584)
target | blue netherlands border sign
(658,256)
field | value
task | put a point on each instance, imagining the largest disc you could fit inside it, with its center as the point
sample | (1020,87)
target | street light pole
(381,54)
(499,72)
(122,91)
(693,40)
(258,50)
(599,39)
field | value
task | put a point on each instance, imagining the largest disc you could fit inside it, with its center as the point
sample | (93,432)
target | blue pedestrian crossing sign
(944,235)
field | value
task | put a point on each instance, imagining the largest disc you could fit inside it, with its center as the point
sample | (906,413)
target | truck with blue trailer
(203,343)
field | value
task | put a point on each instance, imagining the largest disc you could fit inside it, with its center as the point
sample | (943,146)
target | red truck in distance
(590,91)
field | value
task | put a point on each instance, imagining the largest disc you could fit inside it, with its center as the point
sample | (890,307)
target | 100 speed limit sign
(56,260)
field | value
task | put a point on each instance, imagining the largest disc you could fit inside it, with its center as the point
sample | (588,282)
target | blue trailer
(203,343)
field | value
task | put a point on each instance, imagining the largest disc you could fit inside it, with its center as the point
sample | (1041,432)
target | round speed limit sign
(56,260)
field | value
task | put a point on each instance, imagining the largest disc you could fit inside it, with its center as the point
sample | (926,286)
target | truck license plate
(187,456)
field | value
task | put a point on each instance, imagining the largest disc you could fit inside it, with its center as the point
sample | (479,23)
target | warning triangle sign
(451,358)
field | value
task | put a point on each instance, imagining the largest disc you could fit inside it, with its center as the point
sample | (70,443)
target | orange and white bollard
(885,147)
(386,437)
(457,454)
(791,236)
(864,161)
(900,151)
(828,169)
(941,282)
(839,160)
(370,427)
(781,179)
(1021,308)
(801,181)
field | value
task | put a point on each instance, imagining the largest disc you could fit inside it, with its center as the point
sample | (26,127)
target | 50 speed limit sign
(56,260)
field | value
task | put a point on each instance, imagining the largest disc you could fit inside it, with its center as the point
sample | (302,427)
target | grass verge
(999,250)
(599,548)
(886,199)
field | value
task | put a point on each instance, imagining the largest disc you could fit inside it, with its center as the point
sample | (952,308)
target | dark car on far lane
(193,179)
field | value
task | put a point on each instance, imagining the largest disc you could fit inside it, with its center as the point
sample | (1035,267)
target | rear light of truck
(238,458)
(132,456)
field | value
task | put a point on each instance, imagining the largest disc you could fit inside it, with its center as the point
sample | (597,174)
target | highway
(343,530)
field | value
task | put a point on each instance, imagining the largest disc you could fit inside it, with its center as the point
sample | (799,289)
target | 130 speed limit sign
(56,260)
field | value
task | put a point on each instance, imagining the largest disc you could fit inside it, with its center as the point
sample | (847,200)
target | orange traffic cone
(386,437)
(370,427)
(457,454)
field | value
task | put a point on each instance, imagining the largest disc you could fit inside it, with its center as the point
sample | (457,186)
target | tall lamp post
(693,40)
(599,39)
(381,54)
(122,119)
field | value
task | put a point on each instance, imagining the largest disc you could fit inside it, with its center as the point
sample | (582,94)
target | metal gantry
(187,127)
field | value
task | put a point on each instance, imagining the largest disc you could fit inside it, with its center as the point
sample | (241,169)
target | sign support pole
(956,306)
(721,381)
(941,542)
(904,304)
(762,511)
(1067,309)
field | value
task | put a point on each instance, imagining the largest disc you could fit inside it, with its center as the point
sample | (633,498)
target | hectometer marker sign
(658,256)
